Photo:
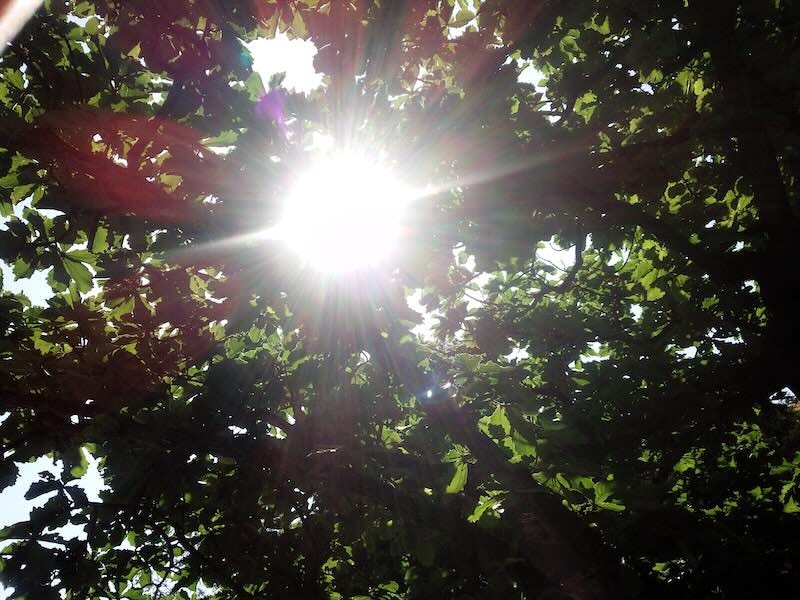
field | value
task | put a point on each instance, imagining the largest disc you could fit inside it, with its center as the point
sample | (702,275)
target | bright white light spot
(282,55)
(321,142)
(344,213)
(425,328)
(429,394)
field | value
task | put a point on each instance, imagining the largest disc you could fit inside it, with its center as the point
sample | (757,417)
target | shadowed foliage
(604,407)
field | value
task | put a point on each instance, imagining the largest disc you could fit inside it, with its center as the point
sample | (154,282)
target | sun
(344,213)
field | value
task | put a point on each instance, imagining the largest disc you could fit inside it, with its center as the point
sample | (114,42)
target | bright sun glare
(344,213)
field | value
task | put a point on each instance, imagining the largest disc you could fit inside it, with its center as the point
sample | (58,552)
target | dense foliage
(618,422)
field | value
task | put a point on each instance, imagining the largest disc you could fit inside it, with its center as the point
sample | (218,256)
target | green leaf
(500,419)
(100,241)
(226,138)
(234,346)
(79,470)
(79,274)
(391,586)
(604,28)
(21,268)
(611,506)
(462,18)
(83,256)
(255,86)
(521,446)
(171,181)
(20,192)
(469,361)
(92,26)
(485,503)
(135,51)
(459,479)
(299,26)
(791,506)
(15,78)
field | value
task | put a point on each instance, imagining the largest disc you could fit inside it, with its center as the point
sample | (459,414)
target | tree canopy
(604,406)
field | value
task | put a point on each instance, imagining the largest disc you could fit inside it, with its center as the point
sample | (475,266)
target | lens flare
(344,213)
